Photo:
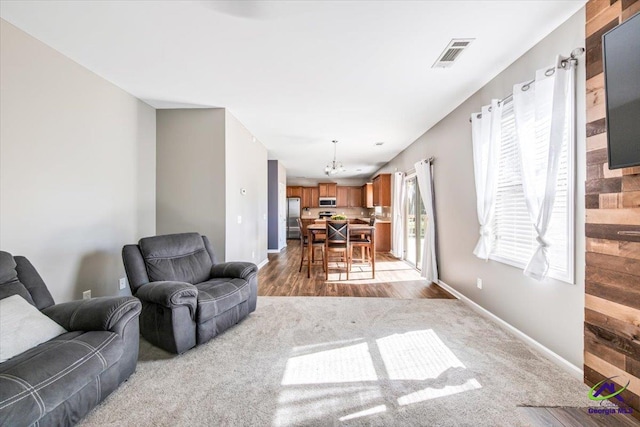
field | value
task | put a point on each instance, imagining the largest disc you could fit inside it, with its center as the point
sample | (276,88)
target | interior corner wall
(190,176)
(551,312)
(77,166)
(246,213)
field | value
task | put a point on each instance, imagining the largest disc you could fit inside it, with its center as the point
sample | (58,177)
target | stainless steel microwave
(327,202)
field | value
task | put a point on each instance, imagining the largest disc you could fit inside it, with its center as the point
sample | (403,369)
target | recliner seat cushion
(180,258)
(64,364)
(216,296)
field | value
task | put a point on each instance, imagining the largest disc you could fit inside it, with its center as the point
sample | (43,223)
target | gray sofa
(187,298)
(61,380)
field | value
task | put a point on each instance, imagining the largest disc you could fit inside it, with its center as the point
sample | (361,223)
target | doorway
(415,220)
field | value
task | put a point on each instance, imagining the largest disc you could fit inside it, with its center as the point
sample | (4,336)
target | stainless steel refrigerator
(293,214)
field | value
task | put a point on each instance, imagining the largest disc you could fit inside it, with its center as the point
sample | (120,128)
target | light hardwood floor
(394,278)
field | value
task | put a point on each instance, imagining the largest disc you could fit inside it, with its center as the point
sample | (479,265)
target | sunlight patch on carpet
(375,410)
(433,393)
(416,355)
(341,365)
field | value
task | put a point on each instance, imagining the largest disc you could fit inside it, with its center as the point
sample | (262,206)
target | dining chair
(365,243)
(337,240)
(316,243)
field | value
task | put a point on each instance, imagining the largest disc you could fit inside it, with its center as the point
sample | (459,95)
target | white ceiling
(298,74)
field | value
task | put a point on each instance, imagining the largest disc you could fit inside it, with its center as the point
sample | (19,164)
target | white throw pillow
(22,327)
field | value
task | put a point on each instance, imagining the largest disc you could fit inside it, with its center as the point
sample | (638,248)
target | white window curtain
(398,215)
(543,114)
(486,131)
(425,185)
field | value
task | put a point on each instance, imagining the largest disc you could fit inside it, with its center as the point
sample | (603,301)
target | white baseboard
(563,363)
(276,251)
(263,263)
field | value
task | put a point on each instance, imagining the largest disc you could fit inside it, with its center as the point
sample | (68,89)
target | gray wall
(205,157)
(246,168)
(272,195)
(550,312)
(191,174)
(77,166)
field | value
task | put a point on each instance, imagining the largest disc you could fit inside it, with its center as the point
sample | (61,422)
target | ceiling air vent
(452,52)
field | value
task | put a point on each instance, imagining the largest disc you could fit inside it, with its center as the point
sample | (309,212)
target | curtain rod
(573,59)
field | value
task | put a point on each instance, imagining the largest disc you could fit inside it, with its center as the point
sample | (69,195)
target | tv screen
(621,53)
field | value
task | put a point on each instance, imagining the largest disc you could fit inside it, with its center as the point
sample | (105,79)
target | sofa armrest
(96,314)
(169,294)
(239,270)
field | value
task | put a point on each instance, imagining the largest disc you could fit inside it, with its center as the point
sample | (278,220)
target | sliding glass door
(415,218)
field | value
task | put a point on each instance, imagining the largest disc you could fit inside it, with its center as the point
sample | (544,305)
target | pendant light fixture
(334,167)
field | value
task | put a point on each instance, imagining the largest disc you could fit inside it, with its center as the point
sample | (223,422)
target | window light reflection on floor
(416,355)
(375,410)
(345,364)
(432,393)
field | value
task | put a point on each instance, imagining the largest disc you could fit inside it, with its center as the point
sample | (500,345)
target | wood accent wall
(612,276)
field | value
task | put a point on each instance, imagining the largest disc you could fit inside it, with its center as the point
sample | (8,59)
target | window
(515,237)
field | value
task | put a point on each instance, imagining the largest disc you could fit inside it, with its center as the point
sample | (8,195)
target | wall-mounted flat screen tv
(621,54)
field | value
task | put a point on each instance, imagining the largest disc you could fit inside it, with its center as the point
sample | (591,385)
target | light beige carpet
(352,361)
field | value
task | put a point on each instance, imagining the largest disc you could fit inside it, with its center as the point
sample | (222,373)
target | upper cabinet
(382,190)
(294,191)
(342,197)
(355,197)
(367,195)
(310,197)
(328,189)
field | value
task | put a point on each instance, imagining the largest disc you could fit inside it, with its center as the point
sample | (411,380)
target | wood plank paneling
(595,128)
(612,272)
(597,142)
(609,185)
(613,232)
(593,345)
(629,216)
(606,200)
(631,183)
(610,371)
(594,48)
(615,263)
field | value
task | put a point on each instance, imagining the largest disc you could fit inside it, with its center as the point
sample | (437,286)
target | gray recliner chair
(187,298)
(59,381)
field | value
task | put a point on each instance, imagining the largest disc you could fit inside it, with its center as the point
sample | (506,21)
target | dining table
(354,229)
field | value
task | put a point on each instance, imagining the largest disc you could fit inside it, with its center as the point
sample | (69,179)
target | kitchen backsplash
(349,212)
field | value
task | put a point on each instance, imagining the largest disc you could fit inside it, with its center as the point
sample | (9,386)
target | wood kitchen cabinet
(328,189)
(382,190)
(309,197)
(294,191)
(342,197)
(367,195)
(355,197)
(383,237)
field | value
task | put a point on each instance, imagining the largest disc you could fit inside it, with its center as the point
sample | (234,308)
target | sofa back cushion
(9,282)
(176,257)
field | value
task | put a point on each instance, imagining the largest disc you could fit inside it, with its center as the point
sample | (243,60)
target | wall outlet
(123,282)
(479,283)
(253,254)
(239,219)
(86,294)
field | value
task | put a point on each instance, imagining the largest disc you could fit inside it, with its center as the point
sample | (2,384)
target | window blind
(514,235)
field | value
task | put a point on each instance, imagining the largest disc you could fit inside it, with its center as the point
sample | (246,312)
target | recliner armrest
(169,294)
(96,314)
(237,269)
